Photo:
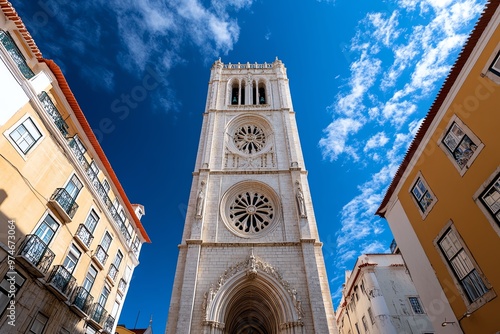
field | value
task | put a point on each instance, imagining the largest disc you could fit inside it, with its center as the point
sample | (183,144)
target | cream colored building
(443,205)
(379,297)
(250,260)
(70,238)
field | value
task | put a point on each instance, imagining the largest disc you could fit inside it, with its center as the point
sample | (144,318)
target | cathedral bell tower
(250,260)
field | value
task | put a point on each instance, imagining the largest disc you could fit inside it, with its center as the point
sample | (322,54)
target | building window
(357,328)
(490,198)
(72,258)
(422,195)
(25,135)
(461,145)
(38,324)
(415,305)
(365,323)
(91,221)
(11,279)
(495,65)
(370,314)
(46,230)
(90,279)
(462,266)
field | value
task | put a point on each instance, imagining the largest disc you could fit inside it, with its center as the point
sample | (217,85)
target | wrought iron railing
(101,255)
(84,235)
(62,279)
(113,271)
(36,252)
(16,54)
(51,109)
(108,324)
(82,299)
(98,314)
(65,200)
(122,285)
(101,190)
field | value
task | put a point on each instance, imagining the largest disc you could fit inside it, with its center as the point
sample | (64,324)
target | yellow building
(69,237)
(443,205)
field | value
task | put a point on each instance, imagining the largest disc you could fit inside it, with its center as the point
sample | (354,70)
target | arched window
(262,93)
(235,92)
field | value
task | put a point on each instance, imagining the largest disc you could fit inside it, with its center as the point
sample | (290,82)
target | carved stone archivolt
(247,272)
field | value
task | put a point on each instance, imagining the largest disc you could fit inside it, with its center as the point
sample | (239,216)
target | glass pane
(91,221)
(426,201)
(450,244)
(32,129)
(474,286)
(106,241)
(73,187)
(421,186)
(461,264)
(450,141)
(47,229)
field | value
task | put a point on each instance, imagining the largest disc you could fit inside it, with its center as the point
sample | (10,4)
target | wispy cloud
(400,58)
(149,33)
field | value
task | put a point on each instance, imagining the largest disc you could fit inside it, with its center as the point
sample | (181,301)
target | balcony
(64,204)
(108,325)
(15,54)
(35,255)
(101,191)
(84,237)
(61,282)
(122,286)
(98,315)
(81,301)
(100,256)
(113,272)
(51,109)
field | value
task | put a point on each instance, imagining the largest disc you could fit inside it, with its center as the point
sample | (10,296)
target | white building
(379,297)
(250,260)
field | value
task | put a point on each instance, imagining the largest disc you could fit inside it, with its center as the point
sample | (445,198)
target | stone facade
(250,257)
(378,297)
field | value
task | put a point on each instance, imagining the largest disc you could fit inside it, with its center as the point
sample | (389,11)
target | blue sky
(363,74)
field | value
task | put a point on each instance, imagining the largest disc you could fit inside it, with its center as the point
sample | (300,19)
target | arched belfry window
(235,92)
(262,93)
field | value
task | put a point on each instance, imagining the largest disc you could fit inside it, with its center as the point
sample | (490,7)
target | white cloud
(385,29)
(376,141)
(337,133)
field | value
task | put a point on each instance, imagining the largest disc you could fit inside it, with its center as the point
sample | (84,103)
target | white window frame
(495,224)
(483,299)
(488,69)
(467,132)
(16,125)
(420,177)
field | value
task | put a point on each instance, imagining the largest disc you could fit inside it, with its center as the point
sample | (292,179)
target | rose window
(251,212)
(249,139)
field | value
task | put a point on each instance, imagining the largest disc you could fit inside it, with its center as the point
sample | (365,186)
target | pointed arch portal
(251,297)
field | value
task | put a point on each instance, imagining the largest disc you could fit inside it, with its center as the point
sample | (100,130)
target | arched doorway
(252,297)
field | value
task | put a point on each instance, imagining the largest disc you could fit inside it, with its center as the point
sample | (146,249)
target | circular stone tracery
(250,209)
(251,212)
(249,139)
